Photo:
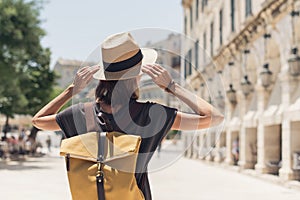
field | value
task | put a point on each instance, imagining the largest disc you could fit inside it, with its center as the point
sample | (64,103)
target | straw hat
(122,58)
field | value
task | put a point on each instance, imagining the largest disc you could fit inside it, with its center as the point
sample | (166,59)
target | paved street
(45,178)
(193,180)
(38,178)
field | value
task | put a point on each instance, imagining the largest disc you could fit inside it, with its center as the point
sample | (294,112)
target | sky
(76,27)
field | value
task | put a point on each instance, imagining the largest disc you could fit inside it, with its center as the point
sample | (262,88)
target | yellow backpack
(101,165)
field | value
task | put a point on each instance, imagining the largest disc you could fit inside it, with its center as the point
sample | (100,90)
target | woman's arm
(205,114)
(45,118)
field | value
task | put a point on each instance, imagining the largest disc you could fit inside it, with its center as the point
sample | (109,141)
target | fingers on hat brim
(98,74)
(149,56)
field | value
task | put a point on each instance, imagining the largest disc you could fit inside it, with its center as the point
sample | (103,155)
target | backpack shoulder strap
(100,158)
(89,117)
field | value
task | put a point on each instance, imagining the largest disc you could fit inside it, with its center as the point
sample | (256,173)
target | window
(197,9)
(190,62)
(197,54)
(232,15)
(221,26)
(204,48)
(174,44)
(186,66)
(191,17)
(212,39)
(204,3)
(248,8)
(175,61)
(185,24)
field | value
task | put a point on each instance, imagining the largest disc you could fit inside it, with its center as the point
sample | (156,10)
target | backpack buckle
(99,173)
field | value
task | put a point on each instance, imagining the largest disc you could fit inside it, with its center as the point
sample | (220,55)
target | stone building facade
(66,69)
(168,51)
(252,45)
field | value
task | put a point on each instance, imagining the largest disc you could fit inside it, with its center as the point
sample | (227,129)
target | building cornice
(186,3)
(255,27)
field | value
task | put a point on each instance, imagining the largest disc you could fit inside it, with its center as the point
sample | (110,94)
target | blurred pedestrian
(13,145)
(48,142)
(21,144)
(22,133)
(235,150)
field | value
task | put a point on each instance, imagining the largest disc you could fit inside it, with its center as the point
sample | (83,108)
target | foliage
(55,92)
(172,134)
(26,80)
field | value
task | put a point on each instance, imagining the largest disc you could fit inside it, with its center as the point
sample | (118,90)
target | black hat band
(124,64)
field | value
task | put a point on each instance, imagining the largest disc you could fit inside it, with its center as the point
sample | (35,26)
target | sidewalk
(36,178)
(194,180)
(274,179)
(45,178)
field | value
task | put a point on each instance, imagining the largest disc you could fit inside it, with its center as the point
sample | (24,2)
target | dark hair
(123,90)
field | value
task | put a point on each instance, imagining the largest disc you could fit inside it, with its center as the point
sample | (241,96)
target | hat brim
(149,57)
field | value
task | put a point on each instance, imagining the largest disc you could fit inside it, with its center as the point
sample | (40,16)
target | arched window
(248,8)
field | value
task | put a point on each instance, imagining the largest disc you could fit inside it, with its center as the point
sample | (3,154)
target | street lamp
(294,60)
(266,76)
(231,94)
(245,83)
(246,86)
(220,99)
(210,101)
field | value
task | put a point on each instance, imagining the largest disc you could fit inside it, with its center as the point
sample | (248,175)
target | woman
(116,100)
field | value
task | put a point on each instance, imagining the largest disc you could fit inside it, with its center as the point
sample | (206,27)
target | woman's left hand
(83,77)
(159,75)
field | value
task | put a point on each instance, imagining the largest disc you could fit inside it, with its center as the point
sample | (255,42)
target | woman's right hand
(83,77)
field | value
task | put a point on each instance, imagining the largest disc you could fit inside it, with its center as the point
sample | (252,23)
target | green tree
(26,81)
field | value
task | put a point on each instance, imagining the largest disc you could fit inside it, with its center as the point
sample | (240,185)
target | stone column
(290,133)
(286,172)
(243,135)
(262,100)
(243,149)
(191,145)
(228,159)
(185,143)
(219,148)
(210,145)
(197,144)
(229,138)
(202,145)
(194,145)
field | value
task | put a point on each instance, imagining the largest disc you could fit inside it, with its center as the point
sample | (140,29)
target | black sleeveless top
(151,121)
